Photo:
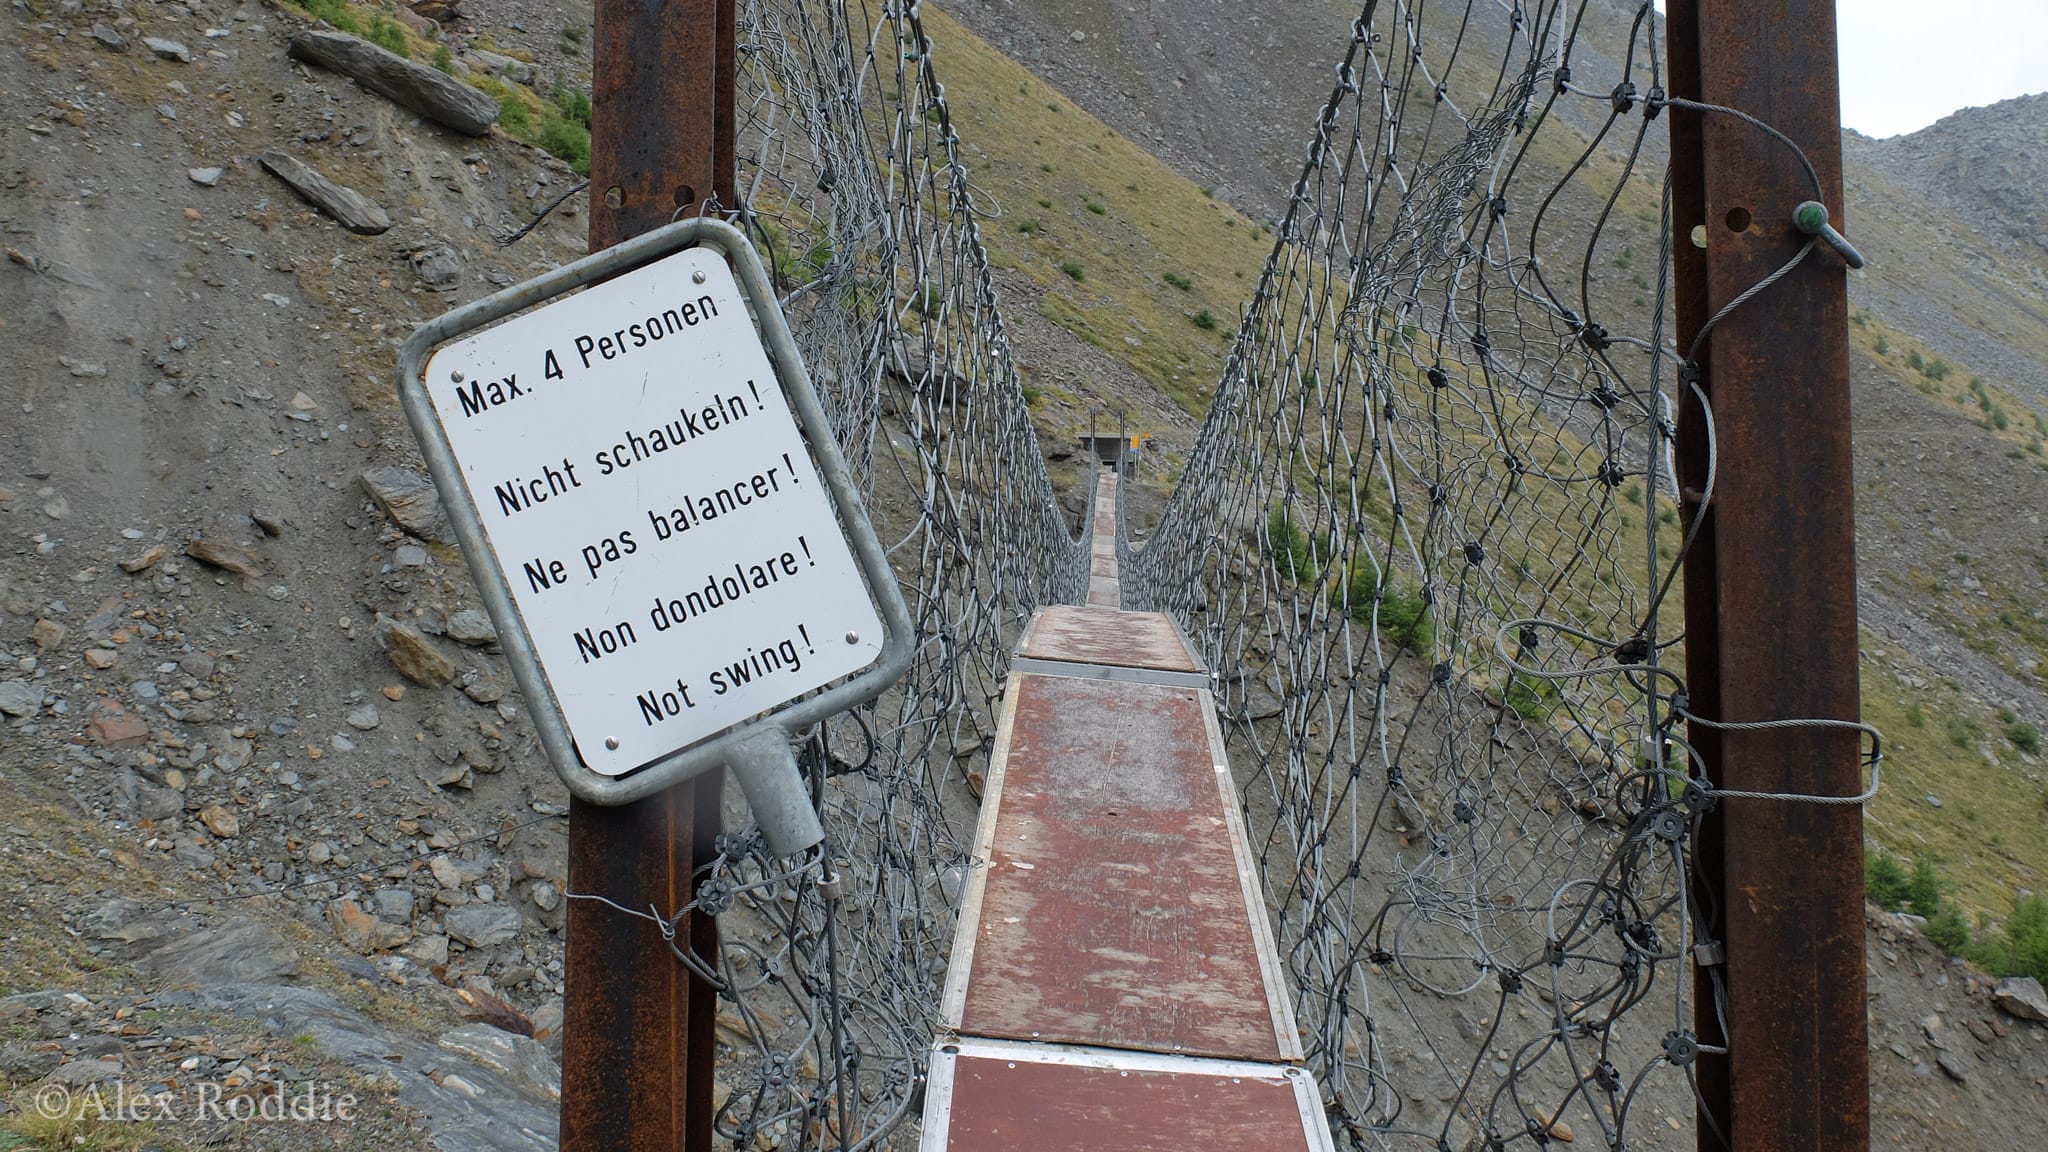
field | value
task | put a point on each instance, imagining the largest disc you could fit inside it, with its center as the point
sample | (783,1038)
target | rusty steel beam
(1771,583)
(637,1028)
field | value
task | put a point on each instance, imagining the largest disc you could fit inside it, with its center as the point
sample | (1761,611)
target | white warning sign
(642,481)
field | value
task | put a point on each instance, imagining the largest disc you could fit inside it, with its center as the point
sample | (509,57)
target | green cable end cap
(1811,217)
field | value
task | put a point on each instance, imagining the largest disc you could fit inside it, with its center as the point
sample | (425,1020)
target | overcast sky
(1908,63)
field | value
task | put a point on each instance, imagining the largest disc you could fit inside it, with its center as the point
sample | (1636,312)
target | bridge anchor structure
(1114,983)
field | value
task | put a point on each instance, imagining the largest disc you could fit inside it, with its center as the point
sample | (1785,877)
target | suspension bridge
(1365,797)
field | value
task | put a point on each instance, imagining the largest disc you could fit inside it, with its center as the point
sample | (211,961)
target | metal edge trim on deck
(938,1095)
(946,1053)
(1122,674)
(1181,634)
(1274,977)
(967,924)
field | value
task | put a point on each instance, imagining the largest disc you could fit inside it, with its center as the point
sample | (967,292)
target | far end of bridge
(1114,983)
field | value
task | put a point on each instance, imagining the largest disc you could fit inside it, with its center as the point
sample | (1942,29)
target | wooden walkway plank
(1103,589)
(1114,986)
(1116,903)
(1091,635)
(991,1096)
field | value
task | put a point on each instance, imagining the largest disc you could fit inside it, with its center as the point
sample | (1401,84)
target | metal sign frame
(743,746)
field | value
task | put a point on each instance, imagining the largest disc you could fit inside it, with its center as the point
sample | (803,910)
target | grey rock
(28,1003)
(515,70)
(482,925)
(545,897)
(409,556)
(428,91)
(518,1057)
(239,951)
(168,49)
(1953,1065)
(364,719)
(394,905)
(353,210)
(205,177)
(109,38)
(410,499)
(19,697)
(485,689)
(504,1114)
(451,872)
(197,665)
(428,950)
(472,626)
(153,802)
(84,1073)
(20,1063)
(437,267)
(2022,997)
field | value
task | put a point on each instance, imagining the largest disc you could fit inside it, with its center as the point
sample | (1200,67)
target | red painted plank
(1113,911)
(1095,636)
(996,1100)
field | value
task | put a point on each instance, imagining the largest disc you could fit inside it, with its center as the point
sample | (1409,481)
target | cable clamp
(1811,218)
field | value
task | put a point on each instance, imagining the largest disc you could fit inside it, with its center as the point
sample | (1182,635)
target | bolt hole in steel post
(615,197)
(686,196)
(1738,219)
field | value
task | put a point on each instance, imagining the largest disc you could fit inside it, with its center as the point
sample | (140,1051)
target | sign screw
(696,277)
(853,637)
(455,376)
(612,742)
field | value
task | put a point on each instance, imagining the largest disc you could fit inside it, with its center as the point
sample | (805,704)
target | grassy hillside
(1141,263)
(1132,257)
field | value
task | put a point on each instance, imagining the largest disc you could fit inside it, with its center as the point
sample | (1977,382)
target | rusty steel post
(1771,583)
(637,1028)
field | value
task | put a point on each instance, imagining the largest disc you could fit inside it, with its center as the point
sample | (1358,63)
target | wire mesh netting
(1427,540)
(855,192)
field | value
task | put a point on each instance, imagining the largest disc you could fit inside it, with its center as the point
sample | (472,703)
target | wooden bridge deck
(1114,984)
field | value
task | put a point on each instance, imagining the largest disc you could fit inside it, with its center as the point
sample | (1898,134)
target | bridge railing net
(1426,538)
(854,192)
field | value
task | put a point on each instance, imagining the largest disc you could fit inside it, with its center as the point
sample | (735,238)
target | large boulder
(2021,996)
(428,91)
